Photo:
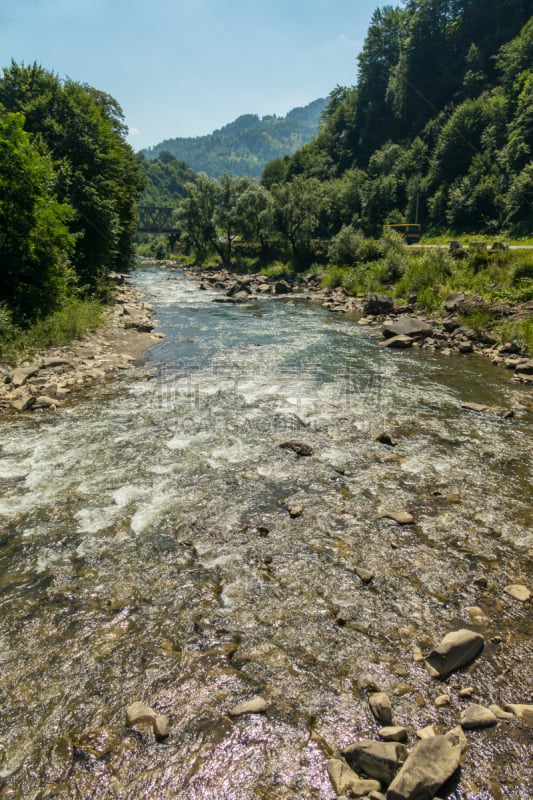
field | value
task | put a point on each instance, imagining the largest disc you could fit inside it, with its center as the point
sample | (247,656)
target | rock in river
(476,716)
(345,779)
(381,708)
(254,706)
(455,650)
(429,765)
(379,760)
(406,326)
(300,448)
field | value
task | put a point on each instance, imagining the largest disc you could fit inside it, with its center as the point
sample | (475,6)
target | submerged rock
(455,650)
(139,713)
(381,708)
(476,716)
(495,411)
(379,760)
(345,779)
(518,591)
(401,517)
(300,448)
(522,711)
(429,765)
(257,705)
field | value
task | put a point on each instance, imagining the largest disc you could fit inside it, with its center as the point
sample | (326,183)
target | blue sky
(187,67)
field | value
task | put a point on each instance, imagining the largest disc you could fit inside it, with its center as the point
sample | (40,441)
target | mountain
(244,146)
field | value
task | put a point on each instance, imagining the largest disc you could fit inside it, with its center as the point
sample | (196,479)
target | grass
(74,321)
(520,331)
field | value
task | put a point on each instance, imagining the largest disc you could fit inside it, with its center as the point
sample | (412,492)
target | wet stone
(381,708)
(393,733)
(522,711)
(257,705)
(300,448)
(345,779)
(378,760)
(476,716)
(518,592)
(401,517)
(428,766)
(456,649)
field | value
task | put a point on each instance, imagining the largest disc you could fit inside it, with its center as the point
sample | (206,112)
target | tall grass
(74,321)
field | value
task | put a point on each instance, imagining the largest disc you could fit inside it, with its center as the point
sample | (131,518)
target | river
(157,544)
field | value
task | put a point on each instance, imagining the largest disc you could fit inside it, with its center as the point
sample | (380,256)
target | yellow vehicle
(409,231)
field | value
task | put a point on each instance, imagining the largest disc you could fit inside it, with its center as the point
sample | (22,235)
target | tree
(297,209)
(97,172)
(35,243)
(255,213)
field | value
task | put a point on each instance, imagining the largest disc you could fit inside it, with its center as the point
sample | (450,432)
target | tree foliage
(94,173)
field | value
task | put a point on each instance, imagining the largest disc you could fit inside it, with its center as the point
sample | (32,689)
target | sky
(188,67)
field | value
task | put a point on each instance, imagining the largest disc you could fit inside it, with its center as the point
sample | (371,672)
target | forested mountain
(165,178)
(440,122)
(244,146)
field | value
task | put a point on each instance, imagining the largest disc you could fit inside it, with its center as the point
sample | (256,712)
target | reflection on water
(147,553)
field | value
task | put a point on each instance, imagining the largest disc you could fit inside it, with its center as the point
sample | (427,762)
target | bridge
(157,219)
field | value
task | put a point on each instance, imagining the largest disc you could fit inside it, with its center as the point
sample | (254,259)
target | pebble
(381,708)
(257,705)
(518,591)
(442,700)
(401,517)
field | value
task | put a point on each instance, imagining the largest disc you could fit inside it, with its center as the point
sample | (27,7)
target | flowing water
(148,552)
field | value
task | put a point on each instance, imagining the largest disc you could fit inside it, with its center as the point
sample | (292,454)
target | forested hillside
(164,179)
(440,122)
(68,190)
(244,146)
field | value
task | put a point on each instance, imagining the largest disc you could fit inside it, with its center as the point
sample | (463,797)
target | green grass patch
(74,321)
(520,331)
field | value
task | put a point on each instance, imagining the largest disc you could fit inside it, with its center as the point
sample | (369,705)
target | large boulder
(378,304)
(406,326)
(378,760)
(281,287)
(345,779)
(455,650)
(429,765)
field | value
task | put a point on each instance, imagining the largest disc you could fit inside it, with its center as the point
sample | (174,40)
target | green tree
(297,211)
(255,213)
(97,172)
(35,243)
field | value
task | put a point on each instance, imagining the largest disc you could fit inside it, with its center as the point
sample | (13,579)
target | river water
(148,552)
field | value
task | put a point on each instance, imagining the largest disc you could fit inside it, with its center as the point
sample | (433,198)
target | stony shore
(401,325)
(49,378)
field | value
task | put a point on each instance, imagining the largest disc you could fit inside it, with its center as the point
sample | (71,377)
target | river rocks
(386,438)
(281,287)
(257,705)
(499,713)
(518,592)
(379,760)
(40,386)
(495,411)
(364,575)
(406,326)
(23,402)
(398,342)
(139,713)
(457,649)
(431,763)
(475,716)
(381,708)
(20,375)
(442,700)
(401,517)
(393,733)
(300,448)
(377,304)
(345,779)
(522,711)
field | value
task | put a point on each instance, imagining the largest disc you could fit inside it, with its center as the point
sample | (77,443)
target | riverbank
(51,376)
(402,325)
